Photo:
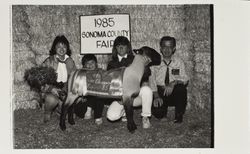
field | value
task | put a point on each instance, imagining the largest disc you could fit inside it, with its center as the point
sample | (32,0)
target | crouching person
(83,108)
(116,110)
(63,65)
(169,82)
(122,56)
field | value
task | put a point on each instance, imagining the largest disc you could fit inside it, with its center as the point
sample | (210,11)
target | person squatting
(161,86)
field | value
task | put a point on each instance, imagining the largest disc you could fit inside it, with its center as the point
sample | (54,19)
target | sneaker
(178,121)
(124,118)
(88,113)
(98,121)
(145,122)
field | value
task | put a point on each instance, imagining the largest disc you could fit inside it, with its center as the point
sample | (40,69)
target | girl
(122,56)
(60,59)
(63,64)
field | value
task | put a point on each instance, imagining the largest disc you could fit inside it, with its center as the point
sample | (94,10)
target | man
(168,82)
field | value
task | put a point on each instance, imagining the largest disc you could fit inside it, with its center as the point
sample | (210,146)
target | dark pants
(178,98)
(95,103)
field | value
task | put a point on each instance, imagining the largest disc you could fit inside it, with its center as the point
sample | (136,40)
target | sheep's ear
(153,55)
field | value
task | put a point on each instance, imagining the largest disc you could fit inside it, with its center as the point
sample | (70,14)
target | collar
(167,62)
(120,57)
(62,61)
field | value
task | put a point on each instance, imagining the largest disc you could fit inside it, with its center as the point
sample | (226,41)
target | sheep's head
(153,55)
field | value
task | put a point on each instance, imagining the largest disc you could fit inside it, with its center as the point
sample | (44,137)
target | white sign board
(98,32)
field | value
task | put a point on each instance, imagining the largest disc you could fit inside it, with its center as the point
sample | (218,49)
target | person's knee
(180,88)
(146,95)
(115,111)
(80,108)
(147,91)
(50,102)
(113,116)
(159,112)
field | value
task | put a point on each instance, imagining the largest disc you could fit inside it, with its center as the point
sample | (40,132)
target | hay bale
(186,45)
(203,99)
(40,45)
(136,44)
(21,37)
(103,60)
(141,25)
(20,87)
(202,57)
(17,77)
(203,68)
(25,105)
(205,85)
(74,46)
(202,79)
(18,46)
(23,65)
(19,69)
(40,59)
(202,46)
(22,55)
(22,96)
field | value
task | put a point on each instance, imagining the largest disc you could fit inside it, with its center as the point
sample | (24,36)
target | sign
(98,32)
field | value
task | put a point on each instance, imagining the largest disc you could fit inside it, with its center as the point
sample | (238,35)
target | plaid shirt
(176,72)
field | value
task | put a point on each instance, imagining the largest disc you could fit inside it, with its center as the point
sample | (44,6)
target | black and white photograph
(112,76)
(168,77)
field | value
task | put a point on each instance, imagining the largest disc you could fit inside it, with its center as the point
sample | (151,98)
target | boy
(83,108)
(169,88)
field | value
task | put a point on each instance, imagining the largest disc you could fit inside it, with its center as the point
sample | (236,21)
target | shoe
(145,122)
(98,121)
(178,120)
(124,118)
(88,113)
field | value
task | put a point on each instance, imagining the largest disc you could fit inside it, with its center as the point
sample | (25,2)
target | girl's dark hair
(168,38)
(88,57)
(121,40)
(60,39)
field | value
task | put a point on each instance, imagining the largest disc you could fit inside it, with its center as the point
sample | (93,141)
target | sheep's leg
(50,102)
(71,115)
(128,105)
(65,106)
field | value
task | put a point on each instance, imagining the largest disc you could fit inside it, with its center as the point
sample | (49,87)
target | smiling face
(122,50)
(167,49)
(91,65)
(61,50)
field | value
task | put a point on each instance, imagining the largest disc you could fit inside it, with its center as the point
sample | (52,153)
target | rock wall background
(35,27)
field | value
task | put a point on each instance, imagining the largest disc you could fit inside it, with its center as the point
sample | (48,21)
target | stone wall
(35,27)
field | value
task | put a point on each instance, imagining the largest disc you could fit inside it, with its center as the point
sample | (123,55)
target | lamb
(126,91)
